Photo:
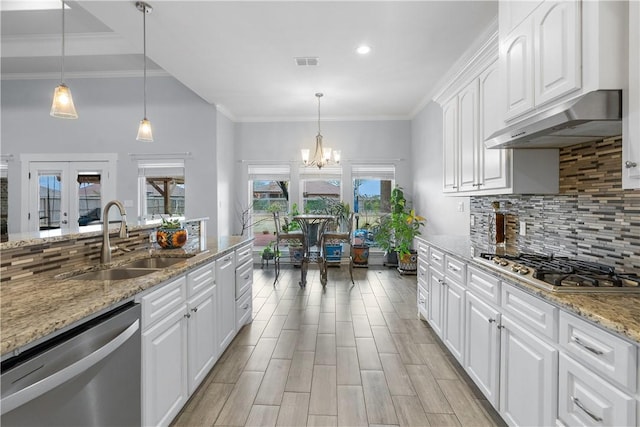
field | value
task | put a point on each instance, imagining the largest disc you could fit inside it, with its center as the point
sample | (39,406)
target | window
(372,185)
(319,186)
(269,186)
(161,188)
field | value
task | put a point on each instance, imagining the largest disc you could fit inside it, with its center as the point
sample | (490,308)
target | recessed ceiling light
(363,49)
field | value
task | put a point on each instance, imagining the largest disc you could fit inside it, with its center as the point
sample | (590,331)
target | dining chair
(338,237)
(283,237)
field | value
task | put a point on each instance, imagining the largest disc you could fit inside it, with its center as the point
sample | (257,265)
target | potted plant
(171,234)
(268,253)
(397,229)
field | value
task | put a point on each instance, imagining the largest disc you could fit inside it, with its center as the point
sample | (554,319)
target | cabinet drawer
(243,254)
(455,269)
(611,356)
(200,279)
(423,273)
(159,303)
(436,259)
(244,278)
(586,399)
(532,312)
(243,310)
(423,298)
(423,251)
(483,285)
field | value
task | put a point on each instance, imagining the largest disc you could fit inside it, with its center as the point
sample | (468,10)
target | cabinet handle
(587,347)
(630,165)
(187,315)
(246,277)
(435,258)
(244,307)
(441,281)
(455,186)
(476,185)
(421,300)
(491,320)
(585,410)
(226,259)
(453,268)
(194,309)
(500,326)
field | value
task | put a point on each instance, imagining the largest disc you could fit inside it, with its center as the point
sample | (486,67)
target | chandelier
(322,155)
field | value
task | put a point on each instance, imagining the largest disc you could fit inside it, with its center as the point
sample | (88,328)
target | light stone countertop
(34,308)
(618,313)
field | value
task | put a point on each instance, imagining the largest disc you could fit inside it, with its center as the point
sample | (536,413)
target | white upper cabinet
(450,148)
(516,54)
(468,140)
(631,131)
(556,50)
(556,47)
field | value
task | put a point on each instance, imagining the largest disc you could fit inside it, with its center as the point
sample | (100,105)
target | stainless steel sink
(115,274)
(153,263)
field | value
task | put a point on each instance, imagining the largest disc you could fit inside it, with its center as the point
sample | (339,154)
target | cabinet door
(516,56)
(450,148)
(225,280)
(527,359)
(453,327)
(203,343)
(164,369)
(584,399)
(631,140)
(468,136)
(557,48)
(482,343)
(493,165)
(436,292)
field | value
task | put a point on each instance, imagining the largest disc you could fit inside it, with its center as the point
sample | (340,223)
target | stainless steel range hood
(593,116)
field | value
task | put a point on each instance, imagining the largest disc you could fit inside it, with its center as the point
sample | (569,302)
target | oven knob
(496,260)
(523,270)
(504,262)
(515,268)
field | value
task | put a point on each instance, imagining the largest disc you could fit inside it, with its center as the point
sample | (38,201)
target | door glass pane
(319,193)
(371,199)
(49,203)
(268,196)
(89,197)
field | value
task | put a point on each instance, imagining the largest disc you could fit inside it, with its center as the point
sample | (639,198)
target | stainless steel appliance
(562,274)
(88,376)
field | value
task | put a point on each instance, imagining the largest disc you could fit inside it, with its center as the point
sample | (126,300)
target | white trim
(287,119)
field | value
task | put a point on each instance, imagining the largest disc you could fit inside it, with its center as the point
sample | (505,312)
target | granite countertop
(38,306)
(619,313)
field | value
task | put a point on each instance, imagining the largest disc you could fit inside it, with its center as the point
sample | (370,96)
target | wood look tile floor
(345,355)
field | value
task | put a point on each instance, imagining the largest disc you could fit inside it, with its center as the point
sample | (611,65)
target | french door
(68,196)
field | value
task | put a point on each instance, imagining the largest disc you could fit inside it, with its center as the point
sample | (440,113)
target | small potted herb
(171,234)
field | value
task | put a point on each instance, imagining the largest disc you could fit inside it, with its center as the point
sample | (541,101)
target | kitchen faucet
(105,257)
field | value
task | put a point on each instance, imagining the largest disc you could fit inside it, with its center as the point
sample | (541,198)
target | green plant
(396,230)
(288,227)
(268,251)
(339,209)
(171,224)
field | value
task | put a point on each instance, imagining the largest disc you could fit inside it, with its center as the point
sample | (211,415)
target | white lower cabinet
(164,369)
(436,293)
(482,346)
(453,313)
(203,344)
(587,400)
(226,282)
(528,377)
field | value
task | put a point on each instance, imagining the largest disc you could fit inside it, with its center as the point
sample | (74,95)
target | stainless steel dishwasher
(88,376)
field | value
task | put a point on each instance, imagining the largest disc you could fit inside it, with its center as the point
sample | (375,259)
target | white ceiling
(239,55)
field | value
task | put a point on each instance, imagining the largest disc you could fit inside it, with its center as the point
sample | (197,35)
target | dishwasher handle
(36,390)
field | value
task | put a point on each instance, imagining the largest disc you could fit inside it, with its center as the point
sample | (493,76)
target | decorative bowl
(171,238)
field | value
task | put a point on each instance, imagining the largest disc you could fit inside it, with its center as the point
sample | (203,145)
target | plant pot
(333,252)
(360,255)
(268,256)
(391,259)
(408,263)
(171,238)
(296,253)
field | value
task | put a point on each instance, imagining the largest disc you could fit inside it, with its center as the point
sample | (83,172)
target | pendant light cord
(62,59)
(144,50)
(318,113)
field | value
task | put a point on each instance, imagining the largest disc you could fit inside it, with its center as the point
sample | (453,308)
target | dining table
(312,227)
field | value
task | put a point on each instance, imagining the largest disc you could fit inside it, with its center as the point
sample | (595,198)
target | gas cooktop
(562,274)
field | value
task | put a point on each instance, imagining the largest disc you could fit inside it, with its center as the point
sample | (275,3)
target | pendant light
(322,155)
(62,106)
(144,130)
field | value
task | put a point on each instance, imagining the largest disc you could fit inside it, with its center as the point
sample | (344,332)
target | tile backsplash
(591,217)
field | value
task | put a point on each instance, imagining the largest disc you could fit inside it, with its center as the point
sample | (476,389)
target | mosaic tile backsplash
(592,217)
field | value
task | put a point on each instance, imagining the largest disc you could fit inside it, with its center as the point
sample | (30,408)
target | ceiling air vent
(306,61)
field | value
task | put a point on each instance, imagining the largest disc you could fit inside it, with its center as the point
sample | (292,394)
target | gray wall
(443,216)
(360,141)
(109,111)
